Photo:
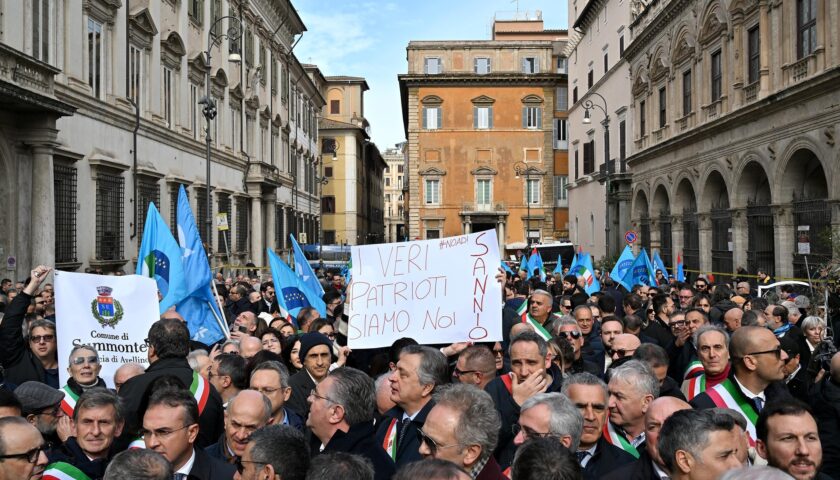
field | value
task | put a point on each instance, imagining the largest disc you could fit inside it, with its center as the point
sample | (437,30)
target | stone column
(740,239)
(270,202)
(784,240)
(704,227)
(501,229)
(42,241)
(677,238)
(256,230)
(467,225)
(764,49)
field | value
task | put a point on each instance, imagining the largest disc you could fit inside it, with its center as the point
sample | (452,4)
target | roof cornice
(471,78)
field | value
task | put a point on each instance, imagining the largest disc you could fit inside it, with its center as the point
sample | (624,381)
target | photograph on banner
(434,291)
(111,314)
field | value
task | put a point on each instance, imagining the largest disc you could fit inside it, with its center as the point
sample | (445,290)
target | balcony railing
(800,69)
(751,92)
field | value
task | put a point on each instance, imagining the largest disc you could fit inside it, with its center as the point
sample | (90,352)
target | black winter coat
(360,440)
(20,364)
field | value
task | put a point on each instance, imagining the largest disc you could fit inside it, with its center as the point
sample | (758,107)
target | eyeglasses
(776,351)
(31,456)
(267,390)
(162,433)
(573,334)
(40,338)
(431,443)
(458,372)
(527,432)
(331,336)
(699,286)
(622,352)
(498,353)
(678,324)
(314,393)
(240,464)
(568,307)
(52,411)
(93,359)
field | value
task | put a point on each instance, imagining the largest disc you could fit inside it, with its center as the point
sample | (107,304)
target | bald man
(757,363)
(519,328)
(732,319)
(249,346)
(126,372)
(623,345)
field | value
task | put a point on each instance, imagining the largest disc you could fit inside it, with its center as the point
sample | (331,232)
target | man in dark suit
(170,427)
(169,342)
(597,456)
(275,451)
(316,356)
(246,412)
(788,440)
(419,371)
(348,429)
(797,378)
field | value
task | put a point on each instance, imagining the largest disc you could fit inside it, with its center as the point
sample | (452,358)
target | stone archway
(716,202)
(661,207)
(754,192)
(685,202)
(804,184)
(641,214)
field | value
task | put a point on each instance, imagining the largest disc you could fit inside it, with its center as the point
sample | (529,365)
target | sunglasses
(431,443)
(574,334)
(93,359)
(457,372)
(31,456)
(40,338)
(776,351)
(622,352)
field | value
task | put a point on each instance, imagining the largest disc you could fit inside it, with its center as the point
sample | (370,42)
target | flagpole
(223,320)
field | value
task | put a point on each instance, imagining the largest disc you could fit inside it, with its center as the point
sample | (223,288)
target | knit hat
(35,396)
(312,339)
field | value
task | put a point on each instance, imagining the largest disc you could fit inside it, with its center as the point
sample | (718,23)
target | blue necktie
(581,455)
(759,404)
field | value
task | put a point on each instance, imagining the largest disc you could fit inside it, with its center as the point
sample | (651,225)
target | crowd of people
(692,380)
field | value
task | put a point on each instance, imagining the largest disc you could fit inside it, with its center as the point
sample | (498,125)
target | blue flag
(575,262)
(641,272)
(507,268)
(535,263)
(523,265)
(658,264)
(292,293)
(585,269)
(304,270)
(622,266)
(160,259)
(199,309)
(559,267)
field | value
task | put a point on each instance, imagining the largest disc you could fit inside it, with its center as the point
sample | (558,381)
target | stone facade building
(76,184)
(394,176)
(737,111)
(476,113)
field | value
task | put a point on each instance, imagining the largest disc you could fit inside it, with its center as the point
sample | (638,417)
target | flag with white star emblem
(160,259)
(293,294)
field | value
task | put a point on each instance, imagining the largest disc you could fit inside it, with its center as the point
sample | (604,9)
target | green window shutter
(524,117)
(539,117)
(475,116)
(425,112)
(440,117)
(490,116)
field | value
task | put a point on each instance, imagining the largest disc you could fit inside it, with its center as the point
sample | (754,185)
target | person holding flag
(680,269)
(583,269)
(661,272)
(199,308)
(160,259)
(292,293)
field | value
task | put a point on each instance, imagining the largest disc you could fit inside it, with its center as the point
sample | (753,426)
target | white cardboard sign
(434,291)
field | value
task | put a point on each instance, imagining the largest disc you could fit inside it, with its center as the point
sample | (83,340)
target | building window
(483,190)
(335,107)
(109,216)
(574,95)
(399,181)
(686,92)
(215,14)
(249,47)
(201,223)
(561,134)
(95,57)
(531,117)
(328,172)
(135,73)
(432,192)
(562,64)
(432,234)
(606,62)
(201,211)
(168,95)
(717,76)
(329,237)
(482,117)
(590,79)
(273,74)
(432,117)
(399,168)
(561,189)
(65,184)
(622,140)
(195,10)
(577,164)
(387,198)
(530,65)
(806,23)
(225,206)
(242,225)
(387,181)
(562,100)
(662,107)
(482,65)
(753,55)
(328,204)
(533,193)
(284,85)
(194,110)
(279,218)
(589,157)
(41,29)
(621,46)
(432,66)
(235,119)
(642,124)
(148,192)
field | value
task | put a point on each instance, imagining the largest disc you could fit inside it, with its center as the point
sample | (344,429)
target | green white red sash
(694,368)
(200,391)
(615,438)
(526,317)
(390,442)
(63,471)
(727,395)
(68,403)
(694,386)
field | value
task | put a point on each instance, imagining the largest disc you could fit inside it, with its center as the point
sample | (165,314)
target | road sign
(221,222)
(630,237)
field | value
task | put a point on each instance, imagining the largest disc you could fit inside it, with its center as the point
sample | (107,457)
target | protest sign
(111,314)
(434,291)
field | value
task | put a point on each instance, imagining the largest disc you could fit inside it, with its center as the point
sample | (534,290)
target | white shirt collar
(591,452)
(662,474)
(747,392)
(793,374)
(185,469)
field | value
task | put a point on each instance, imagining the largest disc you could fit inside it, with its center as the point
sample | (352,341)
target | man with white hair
(632,387)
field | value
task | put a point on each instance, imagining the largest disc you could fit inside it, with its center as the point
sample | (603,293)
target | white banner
(434,291)
(112,314)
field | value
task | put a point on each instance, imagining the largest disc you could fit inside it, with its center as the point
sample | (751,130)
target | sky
(368,38)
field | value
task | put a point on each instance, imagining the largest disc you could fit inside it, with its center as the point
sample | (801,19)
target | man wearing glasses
(41,407)
(685,296)
(550,415)
(758,362)
(272,380)
(476,365)
(570,330)
(34,356)
(463,428)
(170,428)
(341,417)
(21,452)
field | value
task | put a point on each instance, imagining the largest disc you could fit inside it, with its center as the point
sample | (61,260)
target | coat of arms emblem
(107,310)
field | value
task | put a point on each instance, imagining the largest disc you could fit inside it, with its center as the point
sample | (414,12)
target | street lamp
(233,33)
(587,119)
(522,169)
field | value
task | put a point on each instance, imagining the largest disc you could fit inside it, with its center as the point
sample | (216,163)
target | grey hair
(40,323)
(274,366)
(580,308)
(764,472)
(192,358)
(138,464)
(709,327)
(284,448)
(736,417)
(812,321)
(529,336)
(354,390)
(559,322)
(229,342)
(81,347)
(99,397)
(585,378)
(638,374)
(689,430)
(266,405)
(380,380)
(6,422)
(433,369)
(340,466)
(478,421)
(565,418)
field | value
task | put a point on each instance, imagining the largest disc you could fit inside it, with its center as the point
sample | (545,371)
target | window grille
(109,216)
(65,182)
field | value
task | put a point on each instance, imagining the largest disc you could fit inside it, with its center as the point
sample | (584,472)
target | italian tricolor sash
(390,442)
(526,317)
(68,403)
(63,471)
(694,368)
(200,391)
(727,395)
(694,386)
(612,436)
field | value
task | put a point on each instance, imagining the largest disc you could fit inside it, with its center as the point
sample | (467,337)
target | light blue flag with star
(199,309)
(160,259)
(658,264)
(304,270)
(292,293)
(641,272)
(559,267)
(625,261)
